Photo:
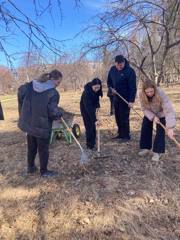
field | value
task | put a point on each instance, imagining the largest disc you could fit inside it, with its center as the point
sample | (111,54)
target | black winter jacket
(37,110)
(123,81)
(90,101)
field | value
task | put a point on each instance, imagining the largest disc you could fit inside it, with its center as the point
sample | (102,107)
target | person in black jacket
(38,107)
(88,105)
(122,79)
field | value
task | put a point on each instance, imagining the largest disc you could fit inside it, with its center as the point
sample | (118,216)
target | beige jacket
(164,110)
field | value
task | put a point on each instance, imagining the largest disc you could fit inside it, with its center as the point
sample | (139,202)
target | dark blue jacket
(90,101)
(123,81)
(37,110)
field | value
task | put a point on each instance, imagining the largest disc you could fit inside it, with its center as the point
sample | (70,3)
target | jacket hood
(42,86)
(126,63)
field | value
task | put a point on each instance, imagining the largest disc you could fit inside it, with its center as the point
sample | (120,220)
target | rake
(84,158)
(141,117)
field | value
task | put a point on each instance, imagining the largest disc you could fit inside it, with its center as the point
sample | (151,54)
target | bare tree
(6,80)
(76,72)
(144,30)
(14,21)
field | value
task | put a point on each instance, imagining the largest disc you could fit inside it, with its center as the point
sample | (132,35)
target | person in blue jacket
(88,105)
(38,107)
(122,79)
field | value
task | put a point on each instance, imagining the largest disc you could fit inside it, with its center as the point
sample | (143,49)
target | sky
(61,26)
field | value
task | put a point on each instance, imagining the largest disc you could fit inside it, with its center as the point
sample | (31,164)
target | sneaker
(143,152)
(31,170)
(49,174)
(156,157)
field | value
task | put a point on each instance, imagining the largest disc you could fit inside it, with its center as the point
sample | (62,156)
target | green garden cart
(60,131)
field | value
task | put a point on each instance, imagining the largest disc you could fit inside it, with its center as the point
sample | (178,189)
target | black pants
(41,145)
(122,112)
(90,128)
(146,136)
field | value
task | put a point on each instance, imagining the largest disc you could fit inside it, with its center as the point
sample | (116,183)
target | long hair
(143,97)
(96,81)
(53,75)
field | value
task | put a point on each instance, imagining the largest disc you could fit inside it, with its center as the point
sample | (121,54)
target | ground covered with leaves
(121,197)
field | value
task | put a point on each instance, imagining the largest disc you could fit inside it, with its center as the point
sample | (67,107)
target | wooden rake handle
(78,143)
(98,133)
(174,139)
(140,116)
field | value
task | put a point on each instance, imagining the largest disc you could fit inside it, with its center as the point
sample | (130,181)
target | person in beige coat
(156,108)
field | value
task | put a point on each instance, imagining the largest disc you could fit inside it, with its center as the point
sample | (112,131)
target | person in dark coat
(1,112)
(122,79)
(38,108)
(88,105)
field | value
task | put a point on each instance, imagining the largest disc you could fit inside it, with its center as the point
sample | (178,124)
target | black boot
(117,137)
(49,173)
(124,140)
(31,170)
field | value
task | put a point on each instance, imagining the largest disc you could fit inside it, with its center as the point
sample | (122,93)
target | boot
(156,157)
(143,152)
(49,173)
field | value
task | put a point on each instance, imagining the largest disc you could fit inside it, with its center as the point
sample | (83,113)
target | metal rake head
(84,158)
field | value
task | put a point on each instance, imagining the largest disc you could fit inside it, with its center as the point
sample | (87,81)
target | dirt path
(121,197)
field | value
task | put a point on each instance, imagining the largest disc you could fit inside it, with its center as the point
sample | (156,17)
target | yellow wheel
(76,130)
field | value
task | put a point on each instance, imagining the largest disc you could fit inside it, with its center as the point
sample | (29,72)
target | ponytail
(53,75)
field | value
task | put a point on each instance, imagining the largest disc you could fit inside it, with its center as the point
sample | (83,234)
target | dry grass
(121,197)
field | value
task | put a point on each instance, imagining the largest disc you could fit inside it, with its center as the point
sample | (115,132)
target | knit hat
(119,59)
